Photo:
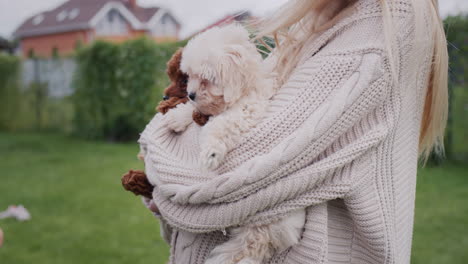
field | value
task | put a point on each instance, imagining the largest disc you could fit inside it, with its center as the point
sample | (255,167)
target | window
(111,15)
(73,13)
(112,24)
(62,15)
(166,27)
(38,19)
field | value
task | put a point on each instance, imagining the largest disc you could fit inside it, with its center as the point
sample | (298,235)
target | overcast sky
(194,14)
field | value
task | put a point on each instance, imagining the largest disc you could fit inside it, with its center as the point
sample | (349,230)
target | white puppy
(228,82)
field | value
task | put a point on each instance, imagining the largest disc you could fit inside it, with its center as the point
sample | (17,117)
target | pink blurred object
(18,212)
(1,237)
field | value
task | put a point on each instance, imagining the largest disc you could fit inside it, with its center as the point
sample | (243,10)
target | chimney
(132,4)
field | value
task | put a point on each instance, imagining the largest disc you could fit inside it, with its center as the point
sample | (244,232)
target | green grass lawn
(81,214)
(441,224)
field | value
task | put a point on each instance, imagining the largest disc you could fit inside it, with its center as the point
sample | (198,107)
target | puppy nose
(165,97)
(192,96)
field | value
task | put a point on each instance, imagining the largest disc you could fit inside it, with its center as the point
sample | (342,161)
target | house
(77,22)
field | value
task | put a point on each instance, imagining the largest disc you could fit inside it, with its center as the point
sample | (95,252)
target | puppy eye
(184,81)
(165,98)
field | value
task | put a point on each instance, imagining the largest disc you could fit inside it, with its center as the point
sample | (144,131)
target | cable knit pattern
(340,139)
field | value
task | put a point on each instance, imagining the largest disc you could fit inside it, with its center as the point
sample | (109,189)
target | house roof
(82,14)
(145,14)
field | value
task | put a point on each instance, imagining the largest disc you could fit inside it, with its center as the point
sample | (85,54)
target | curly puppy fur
(228,82)
(176,92)
(136,182)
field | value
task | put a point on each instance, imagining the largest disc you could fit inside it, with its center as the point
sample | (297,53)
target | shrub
(117,87)
(9,90)
(457,135)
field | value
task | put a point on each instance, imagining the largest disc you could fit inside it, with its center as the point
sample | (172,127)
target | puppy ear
(237,71)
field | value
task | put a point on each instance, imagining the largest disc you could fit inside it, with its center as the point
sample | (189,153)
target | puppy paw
(176,121)
(211,157)
(179,118)
(177,125)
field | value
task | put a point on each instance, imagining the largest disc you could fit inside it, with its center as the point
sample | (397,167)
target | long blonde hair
(299,20)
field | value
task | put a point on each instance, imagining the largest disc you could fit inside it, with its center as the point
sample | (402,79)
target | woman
(363,95)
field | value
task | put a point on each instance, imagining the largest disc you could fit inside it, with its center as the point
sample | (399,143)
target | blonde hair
(300,20)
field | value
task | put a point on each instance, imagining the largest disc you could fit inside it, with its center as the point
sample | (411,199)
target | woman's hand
(151,206)
(165,229)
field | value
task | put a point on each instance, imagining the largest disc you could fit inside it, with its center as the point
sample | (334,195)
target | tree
(457,131)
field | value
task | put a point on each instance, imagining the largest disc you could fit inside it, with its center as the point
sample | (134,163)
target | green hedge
(117,87)
(457,130)
(29,108)
(9,90)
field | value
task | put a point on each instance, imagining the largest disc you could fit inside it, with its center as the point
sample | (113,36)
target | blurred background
(79,79)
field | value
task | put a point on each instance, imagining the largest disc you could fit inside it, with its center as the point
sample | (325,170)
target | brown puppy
(136,182)
(176,93)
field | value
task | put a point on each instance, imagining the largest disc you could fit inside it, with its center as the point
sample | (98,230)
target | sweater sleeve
(322,126)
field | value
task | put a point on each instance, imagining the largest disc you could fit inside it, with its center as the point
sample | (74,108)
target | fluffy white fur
(226,74)
(255,244)
(227,82)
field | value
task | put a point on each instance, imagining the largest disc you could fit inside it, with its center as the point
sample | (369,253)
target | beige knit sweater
(340,139)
